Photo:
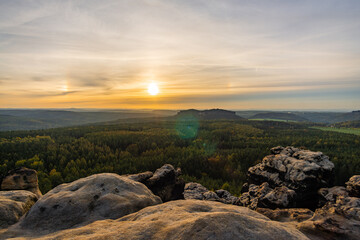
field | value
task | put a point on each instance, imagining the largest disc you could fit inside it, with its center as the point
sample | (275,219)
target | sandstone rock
(21,179)
(287,215)
(13,205)
(140,177)
(227,197)
(339,220)
(166,183)
(303,171)
(353,186)
(100,196)
(197,191)
(331,194)
(184,220)
(266,197)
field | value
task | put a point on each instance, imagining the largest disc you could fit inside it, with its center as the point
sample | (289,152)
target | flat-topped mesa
(303,171)
(22,179)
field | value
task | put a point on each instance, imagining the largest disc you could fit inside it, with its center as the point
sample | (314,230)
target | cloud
(203,46)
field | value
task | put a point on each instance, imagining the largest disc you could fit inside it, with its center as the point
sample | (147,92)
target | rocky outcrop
(199,192)
(353,186)
(166,183)
(183,220)
(287,215)
(331,194)
(21,179)
(303,171)
(266,197)
(339,220)
(140,177)
(100,196)
(13,205)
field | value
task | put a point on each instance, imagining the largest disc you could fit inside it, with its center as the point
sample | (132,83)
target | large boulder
(100,196)
(265,197)
(353,186)
(13,205)
(21,179)
(197,191)
(339,220)
(183,220)
(303,171)
(165,183)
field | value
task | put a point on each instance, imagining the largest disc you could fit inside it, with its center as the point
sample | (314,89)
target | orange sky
(201,54)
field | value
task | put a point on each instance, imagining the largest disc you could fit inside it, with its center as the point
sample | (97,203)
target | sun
(153,89)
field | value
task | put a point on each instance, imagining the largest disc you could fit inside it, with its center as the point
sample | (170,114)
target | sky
(232,54)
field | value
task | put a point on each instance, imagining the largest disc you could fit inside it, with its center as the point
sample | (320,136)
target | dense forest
(214,153)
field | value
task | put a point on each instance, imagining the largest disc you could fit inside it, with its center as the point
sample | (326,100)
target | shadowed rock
(331,194)
(287,215)
(166,183)
(184,220)
(13,205)
(100,196)
(339,220)
(197,191)
(303,171)
(141,177)
(353,186)
(21,179)
(266,197)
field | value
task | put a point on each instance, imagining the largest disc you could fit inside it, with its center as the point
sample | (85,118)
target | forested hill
(212,114)
(42,119)
(215,153)
(349,124)
(280,116)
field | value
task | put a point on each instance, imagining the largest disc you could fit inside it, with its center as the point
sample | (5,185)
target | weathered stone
(353,186)
(13,205)
(303,171)
(197,191)
(166,183)
(184,220)
(21,179)
(331,194)
(266,197)
(140,177)
(287,215)
(339,220)
(227,197)
(100,196)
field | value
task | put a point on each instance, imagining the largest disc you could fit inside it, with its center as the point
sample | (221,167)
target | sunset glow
(153,89)
(226,54)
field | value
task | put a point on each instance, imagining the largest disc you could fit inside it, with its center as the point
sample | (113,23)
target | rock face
(100,196)
(166,183)
(353,186)
(287,215)
(13,205)
(331,194)
(266,197)
(199,192)
(339,220)
(303,171)
(21,179)
(183,220)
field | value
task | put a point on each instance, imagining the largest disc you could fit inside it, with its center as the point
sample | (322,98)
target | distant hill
(42,119)
(351,116)
(279,116)
(348,124)
(212,114)
(8,122)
